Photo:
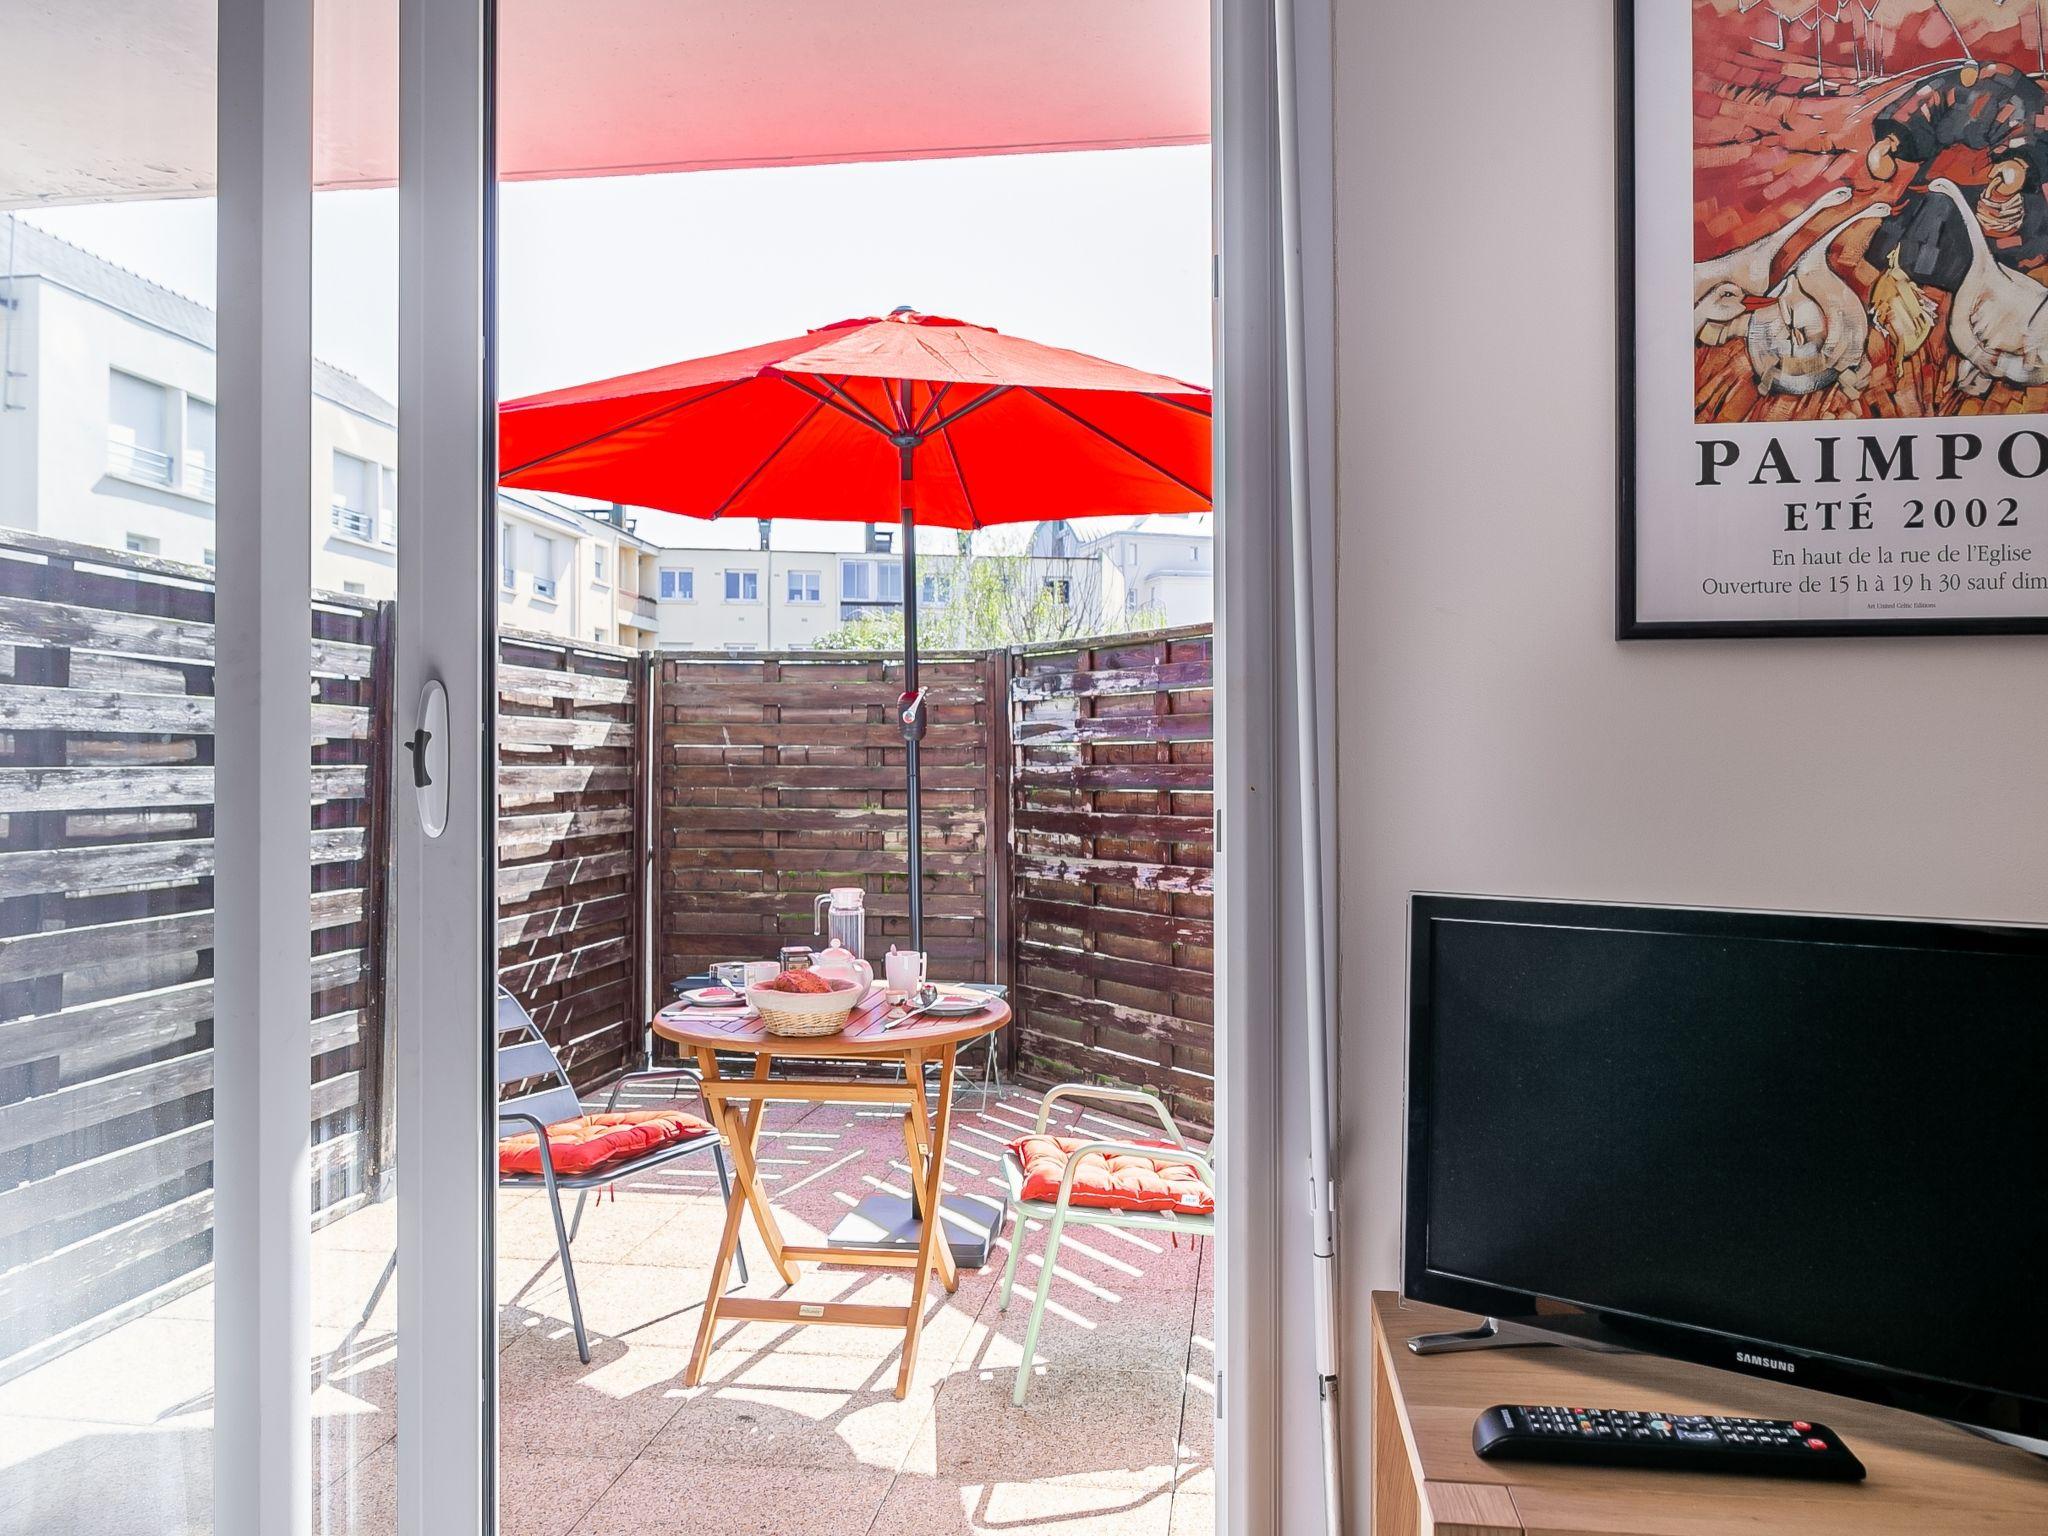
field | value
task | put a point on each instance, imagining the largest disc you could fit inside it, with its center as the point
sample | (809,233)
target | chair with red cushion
(547,1141)
(1063,1180)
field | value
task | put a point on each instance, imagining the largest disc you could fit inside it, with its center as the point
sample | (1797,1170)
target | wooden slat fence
(781,776)
(1112,849)
(106,929)
(571,883)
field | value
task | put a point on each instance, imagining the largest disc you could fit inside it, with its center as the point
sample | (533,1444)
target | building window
(143,544)
(208,557)
(871,581)
(354,503)
(543,566)
(804,587)
(1061,588)
(597,566)
(199,438)
(935,591)
(743,586)
(738,647)
(138,430)
(598,635)
(387,506)
(352,588)
(679,586)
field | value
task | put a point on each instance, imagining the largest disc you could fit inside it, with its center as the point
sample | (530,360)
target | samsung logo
(1764,1361)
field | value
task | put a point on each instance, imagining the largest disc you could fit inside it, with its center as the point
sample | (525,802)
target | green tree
(991,601)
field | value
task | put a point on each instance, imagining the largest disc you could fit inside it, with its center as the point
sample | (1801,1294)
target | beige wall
(1493,737)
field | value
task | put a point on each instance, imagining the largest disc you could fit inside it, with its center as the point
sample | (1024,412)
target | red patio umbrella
(930,420)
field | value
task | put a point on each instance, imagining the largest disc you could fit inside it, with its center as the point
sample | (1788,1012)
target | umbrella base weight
(887,1222)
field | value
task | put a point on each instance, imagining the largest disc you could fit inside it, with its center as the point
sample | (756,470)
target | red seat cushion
(1115,1181)
(590,1142)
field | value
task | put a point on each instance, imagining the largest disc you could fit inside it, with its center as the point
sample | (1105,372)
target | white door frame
(1268,1444)
(262,1071)
(443,898)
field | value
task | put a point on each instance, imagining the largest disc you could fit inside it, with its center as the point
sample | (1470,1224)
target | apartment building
(1167,564)
(107,422)
(736,587)
(575,570)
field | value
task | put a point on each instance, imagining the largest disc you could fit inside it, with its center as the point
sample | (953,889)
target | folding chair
(524,1055)
(1060,1212)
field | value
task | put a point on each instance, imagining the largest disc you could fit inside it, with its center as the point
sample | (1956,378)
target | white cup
(903,972)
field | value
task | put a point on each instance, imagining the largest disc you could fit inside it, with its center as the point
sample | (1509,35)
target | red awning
(624,87)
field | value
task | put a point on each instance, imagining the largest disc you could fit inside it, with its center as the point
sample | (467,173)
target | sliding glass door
(242,990)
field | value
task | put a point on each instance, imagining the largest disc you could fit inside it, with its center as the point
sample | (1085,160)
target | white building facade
(107,422)
(737,597)
(1168,564)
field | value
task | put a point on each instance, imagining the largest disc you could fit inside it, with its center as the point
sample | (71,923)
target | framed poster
(1834,317)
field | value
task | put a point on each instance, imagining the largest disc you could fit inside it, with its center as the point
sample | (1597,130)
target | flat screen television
(1804,1147)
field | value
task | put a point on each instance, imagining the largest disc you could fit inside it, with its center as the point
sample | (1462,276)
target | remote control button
(1816,1445)
(1800,1426)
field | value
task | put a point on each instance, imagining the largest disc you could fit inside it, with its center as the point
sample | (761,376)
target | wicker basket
(805,1013)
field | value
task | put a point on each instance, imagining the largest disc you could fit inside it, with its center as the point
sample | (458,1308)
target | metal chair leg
(377,1291)
(1016,1251)
(725,1189)
(576,1221)
(547,1169)
(1052,1248)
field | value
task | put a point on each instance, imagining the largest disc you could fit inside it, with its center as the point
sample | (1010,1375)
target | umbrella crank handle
(911,706)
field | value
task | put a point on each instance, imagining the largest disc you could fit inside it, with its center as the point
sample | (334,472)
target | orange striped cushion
(589,1142)
(1115,1181)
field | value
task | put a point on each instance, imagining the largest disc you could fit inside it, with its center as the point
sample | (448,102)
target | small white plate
(956,1005)
(715,997)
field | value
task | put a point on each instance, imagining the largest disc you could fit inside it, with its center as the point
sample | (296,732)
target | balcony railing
(355,523)
(132,461)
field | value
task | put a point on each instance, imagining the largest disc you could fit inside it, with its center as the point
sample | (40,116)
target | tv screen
(1814,1146)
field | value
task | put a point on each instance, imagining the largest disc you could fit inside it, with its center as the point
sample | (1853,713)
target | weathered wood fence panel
(781,776)
(571,795)
(106,929)
(1112,851)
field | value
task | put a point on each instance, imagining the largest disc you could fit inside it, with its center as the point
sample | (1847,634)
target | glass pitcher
(842,915)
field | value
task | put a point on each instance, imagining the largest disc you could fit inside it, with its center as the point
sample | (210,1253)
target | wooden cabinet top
(1926,1478)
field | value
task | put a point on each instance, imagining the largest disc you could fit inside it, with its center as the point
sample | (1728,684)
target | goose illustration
(1720,286)
(1998,319)
(1813,331)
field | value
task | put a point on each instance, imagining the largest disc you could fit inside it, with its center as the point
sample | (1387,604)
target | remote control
(1685,1442)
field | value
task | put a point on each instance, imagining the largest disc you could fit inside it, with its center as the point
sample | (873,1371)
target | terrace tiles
(795,1430)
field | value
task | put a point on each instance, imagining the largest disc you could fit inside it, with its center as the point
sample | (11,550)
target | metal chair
(524,1055)
(1059,1212)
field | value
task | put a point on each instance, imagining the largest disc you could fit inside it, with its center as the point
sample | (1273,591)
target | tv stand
(1926,1478)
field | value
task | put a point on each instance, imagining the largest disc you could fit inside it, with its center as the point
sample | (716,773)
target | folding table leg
(925,1155)
(742,1131)
(729,1235)
(931,1235)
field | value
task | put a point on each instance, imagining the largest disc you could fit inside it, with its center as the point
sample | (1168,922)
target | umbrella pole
(911,705)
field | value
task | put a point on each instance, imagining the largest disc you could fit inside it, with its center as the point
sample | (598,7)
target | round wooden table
(738,1105)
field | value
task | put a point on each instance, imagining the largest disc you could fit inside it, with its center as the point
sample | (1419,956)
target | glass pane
(353,458)
(106,779)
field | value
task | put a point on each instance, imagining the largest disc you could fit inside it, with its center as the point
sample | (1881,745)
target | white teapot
(842,964)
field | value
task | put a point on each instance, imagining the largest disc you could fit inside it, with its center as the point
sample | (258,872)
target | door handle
(429,749)
(422,776)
